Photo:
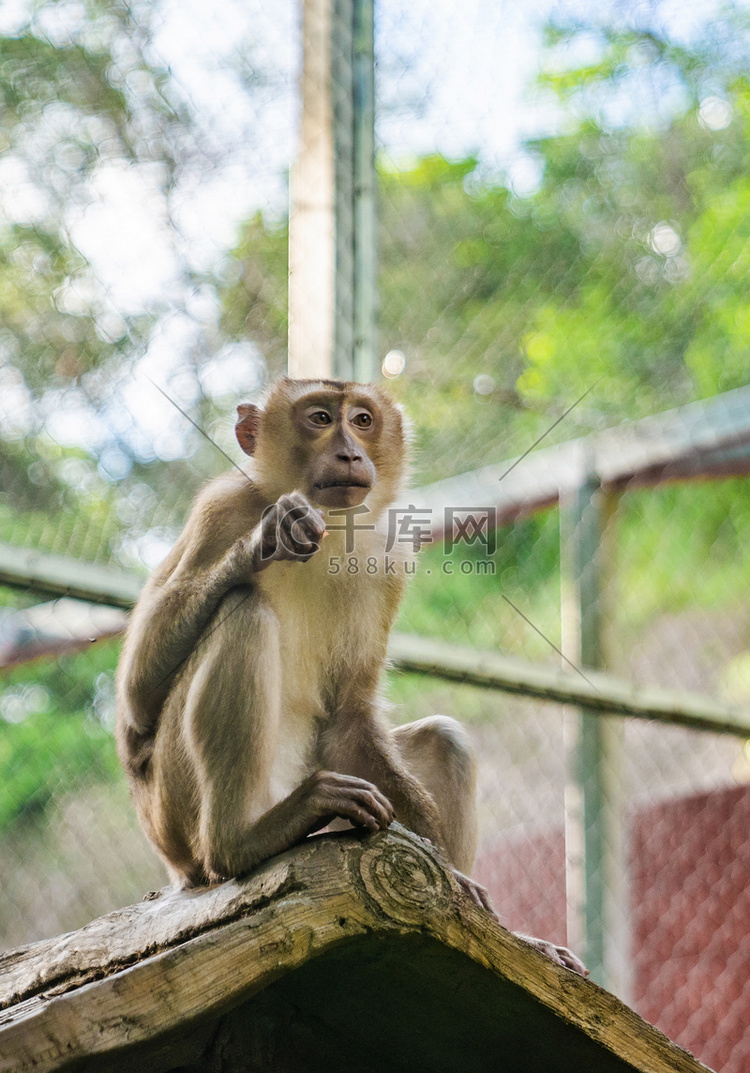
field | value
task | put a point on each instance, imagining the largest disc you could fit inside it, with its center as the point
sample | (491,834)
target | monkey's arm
(321,798)
(164,630)
(171,618)
(356,742)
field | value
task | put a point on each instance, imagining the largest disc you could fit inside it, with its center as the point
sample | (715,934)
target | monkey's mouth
(340,492)
(347,482)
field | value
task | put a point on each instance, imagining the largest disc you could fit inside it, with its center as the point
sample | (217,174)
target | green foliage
(626,269)
(35,73)
(255,301)
(682,546)
(47,756)
(52,740)
(86,97)
(462,594)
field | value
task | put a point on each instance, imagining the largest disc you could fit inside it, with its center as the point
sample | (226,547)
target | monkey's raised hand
(291,529)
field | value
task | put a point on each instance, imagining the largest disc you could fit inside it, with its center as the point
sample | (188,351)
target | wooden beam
(332,247)
(312,222)
(367,942)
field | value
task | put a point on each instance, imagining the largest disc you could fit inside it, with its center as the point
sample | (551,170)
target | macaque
(249,711)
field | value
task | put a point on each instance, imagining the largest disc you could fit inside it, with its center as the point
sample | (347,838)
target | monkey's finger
(359,816)
(298,548)
(484,898)
(311,524)
(570,961)
(338,785)
(293,544)
(314,529)
(553,955)
(366,803)
(300,507)
(291,510)
(376,805)
(477,893)
(302,542)
(372,793)
(352,781)
(327,800)
(304,530)
(559,954)
(548,949)
(358,804)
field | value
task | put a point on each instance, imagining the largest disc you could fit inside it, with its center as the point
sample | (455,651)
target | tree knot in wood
(398,877)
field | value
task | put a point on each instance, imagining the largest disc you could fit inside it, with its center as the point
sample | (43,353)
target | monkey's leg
(438,752)
(231,725)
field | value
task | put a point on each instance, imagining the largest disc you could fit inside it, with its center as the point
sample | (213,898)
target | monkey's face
(335,441)
(335,432)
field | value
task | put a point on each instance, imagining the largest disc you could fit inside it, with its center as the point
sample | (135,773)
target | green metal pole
(365,220)
(594,832)
(353,95)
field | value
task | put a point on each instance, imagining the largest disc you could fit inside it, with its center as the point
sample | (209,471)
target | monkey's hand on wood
(291,529)
(325,796)
(559,954)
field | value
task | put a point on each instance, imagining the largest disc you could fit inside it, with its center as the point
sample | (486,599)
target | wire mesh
(562,209)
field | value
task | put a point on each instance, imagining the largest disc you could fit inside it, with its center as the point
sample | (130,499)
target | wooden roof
(348,952)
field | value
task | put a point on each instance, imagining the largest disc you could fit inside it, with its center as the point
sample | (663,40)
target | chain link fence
(563,247)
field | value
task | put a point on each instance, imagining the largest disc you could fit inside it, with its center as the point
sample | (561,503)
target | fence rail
(58,576)
(705,439)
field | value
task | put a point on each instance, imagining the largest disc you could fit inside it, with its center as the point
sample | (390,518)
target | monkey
(249,707)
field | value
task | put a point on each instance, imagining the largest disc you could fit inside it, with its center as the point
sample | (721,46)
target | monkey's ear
(246,428)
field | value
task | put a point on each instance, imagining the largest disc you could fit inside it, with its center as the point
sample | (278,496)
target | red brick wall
(690,915)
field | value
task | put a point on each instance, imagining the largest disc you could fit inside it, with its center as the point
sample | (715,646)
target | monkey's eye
(320,417)
(362,419)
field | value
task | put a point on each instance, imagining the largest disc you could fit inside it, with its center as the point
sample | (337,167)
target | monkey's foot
(476,892)
(559,954)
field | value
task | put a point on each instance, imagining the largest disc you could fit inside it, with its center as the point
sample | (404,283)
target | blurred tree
(53,740)
(79,90)
(625,267)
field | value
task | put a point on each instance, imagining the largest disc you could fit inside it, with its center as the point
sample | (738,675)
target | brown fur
(249,711)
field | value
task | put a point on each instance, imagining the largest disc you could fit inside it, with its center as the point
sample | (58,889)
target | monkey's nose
(349,454)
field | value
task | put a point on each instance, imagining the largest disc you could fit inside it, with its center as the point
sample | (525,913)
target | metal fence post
(365,216)
(332,247)
(595,852)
